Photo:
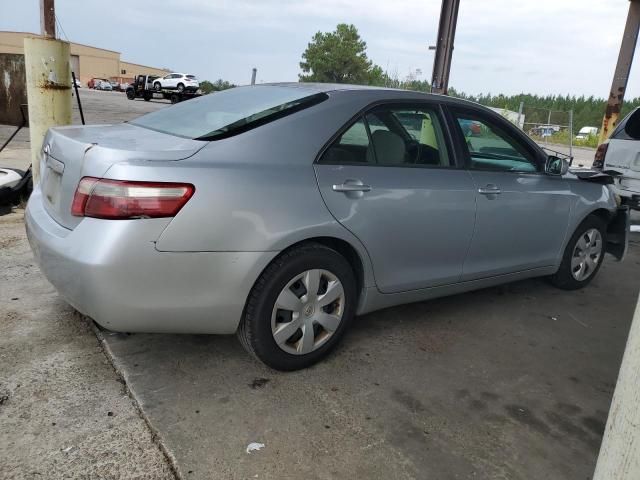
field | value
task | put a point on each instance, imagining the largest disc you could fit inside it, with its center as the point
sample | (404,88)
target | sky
(501,46)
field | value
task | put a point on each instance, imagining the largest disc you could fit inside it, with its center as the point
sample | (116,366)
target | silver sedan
(278,212)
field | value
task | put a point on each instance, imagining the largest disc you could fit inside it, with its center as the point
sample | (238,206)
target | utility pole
(253,75)
(621,74)
(48,76)
(444,46)
(48,19)
(619,458)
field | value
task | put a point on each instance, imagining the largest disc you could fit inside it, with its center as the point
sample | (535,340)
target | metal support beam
(621,75)
(619,458)
(48,18)
(253,76)
(444,46)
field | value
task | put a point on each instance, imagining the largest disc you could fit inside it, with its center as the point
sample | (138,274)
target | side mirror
(556,166)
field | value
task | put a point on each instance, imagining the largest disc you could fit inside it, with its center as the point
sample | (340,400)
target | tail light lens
(120,199)
(601,152)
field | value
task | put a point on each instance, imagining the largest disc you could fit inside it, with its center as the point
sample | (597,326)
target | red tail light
(601,152)
(120,199)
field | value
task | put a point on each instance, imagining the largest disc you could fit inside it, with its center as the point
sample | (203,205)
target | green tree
(339,57)
(207,87)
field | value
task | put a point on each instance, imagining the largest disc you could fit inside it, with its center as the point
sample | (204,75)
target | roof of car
(346,87)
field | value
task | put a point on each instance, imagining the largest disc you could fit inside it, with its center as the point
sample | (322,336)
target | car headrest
(389,148)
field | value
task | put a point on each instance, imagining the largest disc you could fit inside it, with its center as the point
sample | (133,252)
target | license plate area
(52,181)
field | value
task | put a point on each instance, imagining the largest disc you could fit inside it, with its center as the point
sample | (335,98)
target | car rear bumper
(111,271)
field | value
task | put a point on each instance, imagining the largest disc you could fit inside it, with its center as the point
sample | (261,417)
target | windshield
(228,112)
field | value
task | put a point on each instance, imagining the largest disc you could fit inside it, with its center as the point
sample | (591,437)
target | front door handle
(490,189)
(351,186)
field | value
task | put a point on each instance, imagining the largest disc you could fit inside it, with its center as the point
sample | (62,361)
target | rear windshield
(190,76)
(226,113)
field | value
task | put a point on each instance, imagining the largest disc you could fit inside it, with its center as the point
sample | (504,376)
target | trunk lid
(70,153)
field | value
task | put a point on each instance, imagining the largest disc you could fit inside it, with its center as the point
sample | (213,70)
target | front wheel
(299,308)
(583,255)
(131,95)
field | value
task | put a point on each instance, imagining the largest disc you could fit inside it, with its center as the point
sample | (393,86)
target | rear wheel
(175,98)
(157,86)
(299,308)
(583,255)
(181,87)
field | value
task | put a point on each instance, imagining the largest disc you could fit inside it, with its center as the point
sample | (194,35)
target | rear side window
(232,111)
(192,77)
(388,136)
(629,128)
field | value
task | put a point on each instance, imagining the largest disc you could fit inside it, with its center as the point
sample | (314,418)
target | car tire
(287,275)
(580,262)
(131,95)
(181,87)
(157,87)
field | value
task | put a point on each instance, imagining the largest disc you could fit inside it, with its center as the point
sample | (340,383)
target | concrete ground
(64,412)
(505,383)
(512,382)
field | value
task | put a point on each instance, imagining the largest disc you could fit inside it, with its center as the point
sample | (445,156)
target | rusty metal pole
(444,46)
(621,74)
(48,18)
(48,75)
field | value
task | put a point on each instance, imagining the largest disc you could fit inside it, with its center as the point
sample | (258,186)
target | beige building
(87,62)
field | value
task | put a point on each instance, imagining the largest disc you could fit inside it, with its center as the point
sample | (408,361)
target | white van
(585,132)
(620,155)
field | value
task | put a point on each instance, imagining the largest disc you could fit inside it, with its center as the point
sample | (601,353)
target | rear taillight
(121,199)
(601,152)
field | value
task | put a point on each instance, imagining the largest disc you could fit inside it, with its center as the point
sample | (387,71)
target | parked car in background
(281,211)
(586,132)
(93,83)
(177,81)
(620,154)
(115,85)
(104,85)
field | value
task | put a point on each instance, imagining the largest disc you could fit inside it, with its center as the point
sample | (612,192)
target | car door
(392,179)
(168,81)
(522,213)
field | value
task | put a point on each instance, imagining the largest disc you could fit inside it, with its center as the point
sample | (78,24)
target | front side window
(490,147)
(229,112)
(388,136)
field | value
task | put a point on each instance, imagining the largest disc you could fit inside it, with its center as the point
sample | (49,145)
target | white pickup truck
(620,156)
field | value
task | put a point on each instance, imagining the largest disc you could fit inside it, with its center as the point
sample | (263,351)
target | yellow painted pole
(48,75)
(619,457)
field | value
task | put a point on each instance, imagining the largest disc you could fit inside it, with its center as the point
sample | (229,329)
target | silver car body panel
(259,193)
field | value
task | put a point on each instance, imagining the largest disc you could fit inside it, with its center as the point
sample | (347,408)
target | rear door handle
(489,190)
